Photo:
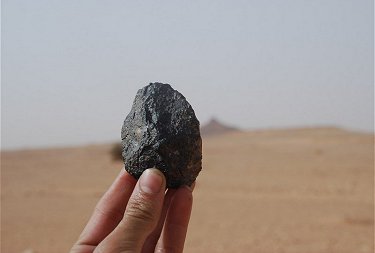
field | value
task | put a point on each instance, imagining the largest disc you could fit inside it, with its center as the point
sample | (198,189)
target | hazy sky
(71,69)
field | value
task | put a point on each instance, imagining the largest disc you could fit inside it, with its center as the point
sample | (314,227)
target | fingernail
(191,187)
(151,181)
(123,170)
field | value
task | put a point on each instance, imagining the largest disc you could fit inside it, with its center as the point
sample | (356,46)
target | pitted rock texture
(162,131)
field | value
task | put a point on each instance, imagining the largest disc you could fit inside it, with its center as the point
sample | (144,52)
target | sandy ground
(301,190)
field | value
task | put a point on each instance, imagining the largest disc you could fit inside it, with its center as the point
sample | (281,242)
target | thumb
(141,215)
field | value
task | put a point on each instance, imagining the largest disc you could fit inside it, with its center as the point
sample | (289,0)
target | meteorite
(162,131)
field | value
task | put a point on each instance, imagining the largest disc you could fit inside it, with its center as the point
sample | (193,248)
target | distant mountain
(215,127)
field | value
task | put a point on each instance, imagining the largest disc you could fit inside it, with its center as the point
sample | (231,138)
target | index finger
(109,210)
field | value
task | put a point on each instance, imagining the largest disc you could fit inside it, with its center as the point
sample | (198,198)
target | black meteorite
(162,131)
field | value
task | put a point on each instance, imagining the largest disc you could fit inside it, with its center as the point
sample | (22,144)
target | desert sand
(297,190)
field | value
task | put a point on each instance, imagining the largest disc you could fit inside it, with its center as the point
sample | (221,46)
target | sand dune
(299,190)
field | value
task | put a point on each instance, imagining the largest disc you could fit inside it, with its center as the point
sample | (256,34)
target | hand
(138,217)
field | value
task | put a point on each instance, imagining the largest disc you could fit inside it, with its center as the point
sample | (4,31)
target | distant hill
(215,127)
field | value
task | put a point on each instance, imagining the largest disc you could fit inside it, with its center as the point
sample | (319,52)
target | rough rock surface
(162,131)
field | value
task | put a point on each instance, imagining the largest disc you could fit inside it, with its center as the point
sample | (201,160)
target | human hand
(138,217)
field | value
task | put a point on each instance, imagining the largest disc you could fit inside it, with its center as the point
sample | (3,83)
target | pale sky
(71,69)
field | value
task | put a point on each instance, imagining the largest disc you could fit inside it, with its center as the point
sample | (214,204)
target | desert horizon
(288,190)
(212,127)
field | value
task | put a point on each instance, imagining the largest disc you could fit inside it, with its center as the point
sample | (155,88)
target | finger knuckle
(167,249)
(141,210)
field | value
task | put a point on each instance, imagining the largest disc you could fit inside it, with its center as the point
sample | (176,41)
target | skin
(138,217)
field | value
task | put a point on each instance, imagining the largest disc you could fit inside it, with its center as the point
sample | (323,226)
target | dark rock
(162,131)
